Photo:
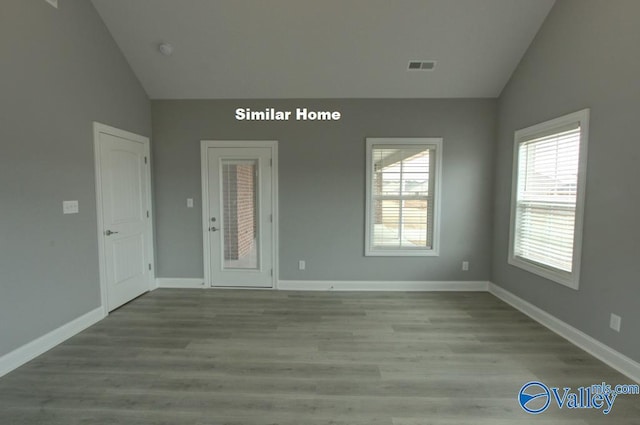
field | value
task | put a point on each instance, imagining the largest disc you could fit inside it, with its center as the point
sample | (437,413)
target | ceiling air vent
(421,65)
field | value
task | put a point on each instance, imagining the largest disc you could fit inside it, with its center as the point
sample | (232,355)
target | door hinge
(271,217)
(149,266)
(271,272)
(145,159)
(271,162)
(147,214)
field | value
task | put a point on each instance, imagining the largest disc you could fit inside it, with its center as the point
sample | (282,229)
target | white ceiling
(323,48)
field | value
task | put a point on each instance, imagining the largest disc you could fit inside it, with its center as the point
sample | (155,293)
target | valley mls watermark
(535,397)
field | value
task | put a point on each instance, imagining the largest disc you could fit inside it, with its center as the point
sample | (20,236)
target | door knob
(213,229)
(109,233)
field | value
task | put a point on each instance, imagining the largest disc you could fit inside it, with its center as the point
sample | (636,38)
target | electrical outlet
(302,265)
(70,207)
(465,266)
(615,322)
(189,202)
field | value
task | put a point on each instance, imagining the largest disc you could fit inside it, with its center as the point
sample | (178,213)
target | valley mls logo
(535,397)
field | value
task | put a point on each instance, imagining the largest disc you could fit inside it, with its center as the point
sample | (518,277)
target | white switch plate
(465,266)
(70,207)
(189,202)
(53,3)
(302,265)
(615,322)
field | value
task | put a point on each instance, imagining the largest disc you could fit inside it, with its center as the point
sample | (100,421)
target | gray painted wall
(61,71)
(322,184)
(585,55)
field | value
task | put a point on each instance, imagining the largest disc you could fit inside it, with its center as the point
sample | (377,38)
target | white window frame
(434,251)
(570,279)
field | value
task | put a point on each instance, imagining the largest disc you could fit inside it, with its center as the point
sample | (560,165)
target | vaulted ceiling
(323,48)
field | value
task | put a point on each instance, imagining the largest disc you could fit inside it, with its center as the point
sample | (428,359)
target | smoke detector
(166,49)
(421,65)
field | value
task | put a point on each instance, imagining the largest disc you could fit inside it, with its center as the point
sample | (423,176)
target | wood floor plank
(233,357)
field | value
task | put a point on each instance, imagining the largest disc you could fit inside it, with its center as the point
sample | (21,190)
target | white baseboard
(171,282)
(606,354)
(345,285)
(33,349)
(360,285)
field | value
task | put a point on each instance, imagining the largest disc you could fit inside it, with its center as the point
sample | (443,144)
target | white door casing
(123,185)
(239,217)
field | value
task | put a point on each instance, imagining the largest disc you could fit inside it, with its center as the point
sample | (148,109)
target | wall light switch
(53,3)
(189,202)
(70,207)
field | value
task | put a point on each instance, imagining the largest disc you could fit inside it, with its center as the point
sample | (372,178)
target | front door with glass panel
(239,228)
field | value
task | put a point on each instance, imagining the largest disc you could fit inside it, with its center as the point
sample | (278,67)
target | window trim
(569,279)
(369,250)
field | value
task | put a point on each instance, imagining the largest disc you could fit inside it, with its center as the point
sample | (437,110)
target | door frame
(103,128)
(204,156)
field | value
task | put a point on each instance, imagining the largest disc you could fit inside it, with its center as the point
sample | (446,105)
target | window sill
(570,280)
(401,253)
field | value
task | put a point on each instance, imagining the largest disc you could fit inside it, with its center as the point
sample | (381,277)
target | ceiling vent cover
(421,65)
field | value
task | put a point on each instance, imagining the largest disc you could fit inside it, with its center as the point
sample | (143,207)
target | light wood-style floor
(212,357)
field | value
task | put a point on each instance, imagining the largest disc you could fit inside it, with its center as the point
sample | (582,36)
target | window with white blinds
(548,198)
(402,196)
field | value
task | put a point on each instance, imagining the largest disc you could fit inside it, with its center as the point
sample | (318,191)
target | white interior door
(124,209)
(239,217)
